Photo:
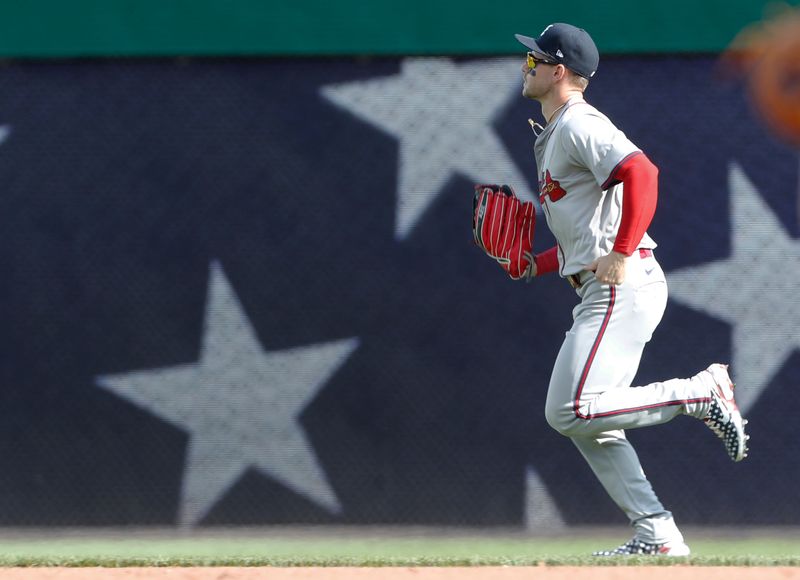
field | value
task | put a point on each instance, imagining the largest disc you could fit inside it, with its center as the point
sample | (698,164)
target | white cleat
(723,416)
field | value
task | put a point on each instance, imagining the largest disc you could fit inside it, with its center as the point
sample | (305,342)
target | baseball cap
(567,45)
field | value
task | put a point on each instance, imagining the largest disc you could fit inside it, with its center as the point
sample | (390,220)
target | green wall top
(55,28)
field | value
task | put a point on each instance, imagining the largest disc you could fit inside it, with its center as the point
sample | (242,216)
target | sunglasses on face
(533,61)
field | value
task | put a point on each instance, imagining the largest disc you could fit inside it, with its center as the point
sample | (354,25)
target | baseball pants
(590,398)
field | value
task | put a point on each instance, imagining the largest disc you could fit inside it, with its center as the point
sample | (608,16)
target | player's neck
(556,102)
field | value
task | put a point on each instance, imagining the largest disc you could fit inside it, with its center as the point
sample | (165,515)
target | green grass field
(294,548)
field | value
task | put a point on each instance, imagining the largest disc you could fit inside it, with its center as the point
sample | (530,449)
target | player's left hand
(609,269)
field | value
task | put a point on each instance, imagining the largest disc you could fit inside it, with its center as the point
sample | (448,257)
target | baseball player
(598,192)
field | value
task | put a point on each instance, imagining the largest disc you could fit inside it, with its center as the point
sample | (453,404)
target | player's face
(536,77)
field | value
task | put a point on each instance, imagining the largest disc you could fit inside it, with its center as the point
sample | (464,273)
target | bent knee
(561,419)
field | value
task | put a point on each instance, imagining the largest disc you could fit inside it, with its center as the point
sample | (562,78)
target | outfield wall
(245,292)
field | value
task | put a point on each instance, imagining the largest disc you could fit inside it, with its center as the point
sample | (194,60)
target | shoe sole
(719,373)
(665,551)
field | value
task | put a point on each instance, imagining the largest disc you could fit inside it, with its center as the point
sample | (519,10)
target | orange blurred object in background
(769,55)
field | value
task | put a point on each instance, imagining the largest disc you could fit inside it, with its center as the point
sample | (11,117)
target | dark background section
(122,180)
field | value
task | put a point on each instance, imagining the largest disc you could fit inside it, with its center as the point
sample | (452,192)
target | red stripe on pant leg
(646,407)
(593,352)
(588,366)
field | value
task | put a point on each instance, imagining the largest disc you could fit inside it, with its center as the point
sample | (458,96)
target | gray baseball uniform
(590,398)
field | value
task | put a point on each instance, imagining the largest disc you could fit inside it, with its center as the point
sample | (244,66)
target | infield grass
(118,548)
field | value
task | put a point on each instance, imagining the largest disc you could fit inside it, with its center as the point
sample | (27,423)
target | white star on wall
(239,405)
(541,512)
(442,114)
(753,290)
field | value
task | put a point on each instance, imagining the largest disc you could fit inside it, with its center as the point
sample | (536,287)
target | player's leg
(615,362)
(590,390)
(590,398)
(616,465)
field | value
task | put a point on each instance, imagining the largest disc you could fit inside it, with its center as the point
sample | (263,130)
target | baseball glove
(503,227)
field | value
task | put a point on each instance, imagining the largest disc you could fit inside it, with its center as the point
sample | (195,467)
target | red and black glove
(503,227)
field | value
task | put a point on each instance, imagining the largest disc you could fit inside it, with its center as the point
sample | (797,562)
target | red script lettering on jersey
(550,187)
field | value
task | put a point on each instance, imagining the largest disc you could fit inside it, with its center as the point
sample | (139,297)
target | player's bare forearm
(609,269)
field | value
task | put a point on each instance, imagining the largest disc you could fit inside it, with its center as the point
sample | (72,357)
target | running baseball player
(598,192)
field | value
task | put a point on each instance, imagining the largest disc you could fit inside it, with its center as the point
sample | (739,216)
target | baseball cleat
(637,547)
(723,416)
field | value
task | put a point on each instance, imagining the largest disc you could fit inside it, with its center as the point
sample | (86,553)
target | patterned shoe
(723,416)
(637,547)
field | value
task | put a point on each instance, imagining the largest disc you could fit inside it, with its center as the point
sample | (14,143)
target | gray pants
(590,398)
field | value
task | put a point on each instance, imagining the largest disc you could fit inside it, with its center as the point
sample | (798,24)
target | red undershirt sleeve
(640,194)
(547,261)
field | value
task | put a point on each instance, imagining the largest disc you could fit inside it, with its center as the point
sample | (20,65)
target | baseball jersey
(576,155)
